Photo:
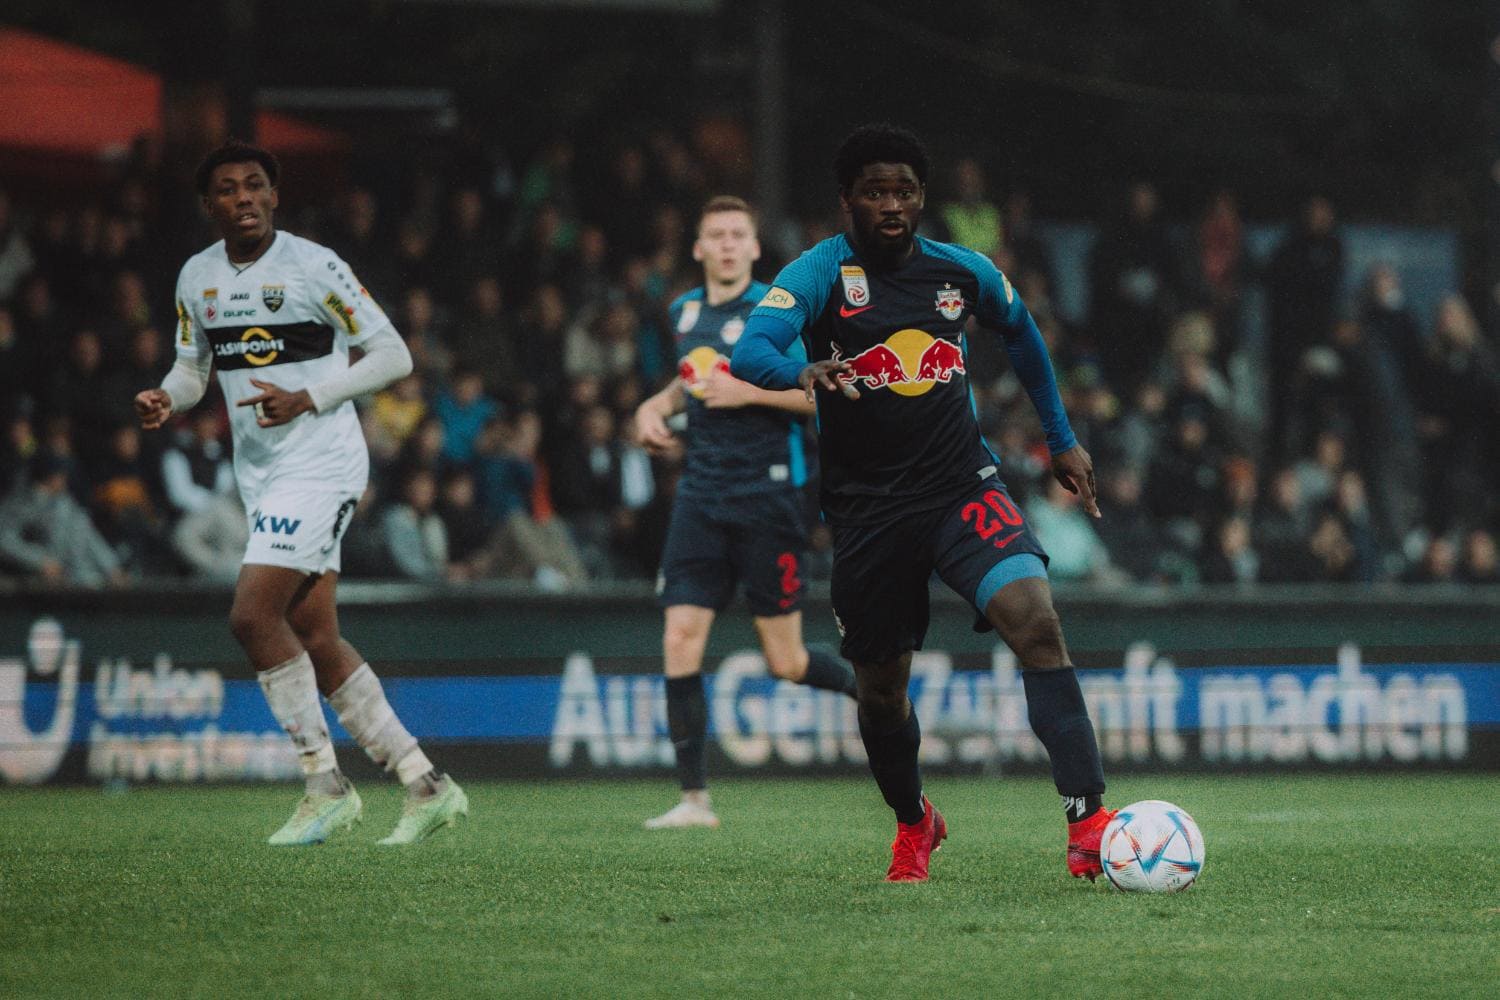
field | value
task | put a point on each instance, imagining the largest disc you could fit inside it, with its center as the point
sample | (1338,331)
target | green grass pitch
(1315,886)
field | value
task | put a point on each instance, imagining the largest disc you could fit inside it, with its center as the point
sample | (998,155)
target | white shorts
(299,529)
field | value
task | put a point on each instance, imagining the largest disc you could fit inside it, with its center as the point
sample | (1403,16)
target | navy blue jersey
(911,441)
(739,451)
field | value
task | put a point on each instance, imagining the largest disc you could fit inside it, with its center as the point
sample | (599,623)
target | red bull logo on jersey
(698,366)
(950,302)
(909,363)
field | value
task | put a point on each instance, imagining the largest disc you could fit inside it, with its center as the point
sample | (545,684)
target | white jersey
(288,318)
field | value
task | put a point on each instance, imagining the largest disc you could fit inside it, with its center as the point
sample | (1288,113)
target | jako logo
(276,525)
(27,757)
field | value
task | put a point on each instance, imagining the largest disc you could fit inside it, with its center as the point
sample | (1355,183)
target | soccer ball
(1151,846)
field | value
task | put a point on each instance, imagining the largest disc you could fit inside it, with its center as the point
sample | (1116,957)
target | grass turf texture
(1314,886)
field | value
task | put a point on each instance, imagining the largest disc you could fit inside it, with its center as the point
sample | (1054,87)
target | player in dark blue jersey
(909,485)
(737,515)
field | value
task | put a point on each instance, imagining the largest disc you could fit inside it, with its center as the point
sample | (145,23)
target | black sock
(687,722)
(1054,705)
(826,671)
(893,761)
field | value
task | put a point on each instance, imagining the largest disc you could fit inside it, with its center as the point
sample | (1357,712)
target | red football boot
(915,843)
(1083,844)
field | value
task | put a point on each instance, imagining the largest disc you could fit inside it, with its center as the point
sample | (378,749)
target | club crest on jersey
(273,296)
(732,330)
(210,309)
(950,302)
(856,285)
(690,311)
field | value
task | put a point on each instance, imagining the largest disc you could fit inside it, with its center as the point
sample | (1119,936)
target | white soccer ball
(1152,846)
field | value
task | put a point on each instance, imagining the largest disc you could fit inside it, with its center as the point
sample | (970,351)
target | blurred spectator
(392,416)
(1221,270)
(195,468)
(17,449)
(524,539)
(1438,564)
(78,391)
(415,536)
(625,206)
(1335,559)
(598,480)
(1303,280)
(1319,472)
(358,237)
(463,409)
(14,383)
(1182,486)
(482,340)
(1030,256)
(1459,403)
(1280,530)
(1230,557)
(1480,563)
(210,540)
(427,336)
(1076,552)
(1128,531)
(1352,505)
(542,343)
(604,345)
(467,247)
(45,533)
(1384,419)
(16,259)
(1133,272)
(971,218)
(126,506)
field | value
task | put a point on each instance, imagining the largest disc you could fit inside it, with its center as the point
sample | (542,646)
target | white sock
(291,689)
(363,710)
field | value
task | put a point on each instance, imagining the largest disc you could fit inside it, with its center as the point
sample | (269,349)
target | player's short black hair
(235,151)
(879,143)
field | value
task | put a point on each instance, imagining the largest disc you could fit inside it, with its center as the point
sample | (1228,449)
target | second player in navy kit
(737,516)
(909,485)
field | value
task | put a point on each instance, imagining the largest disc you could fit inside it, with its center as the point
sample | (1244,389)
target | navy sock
(1054,705)
(687,723)
(893,762)
(826,671)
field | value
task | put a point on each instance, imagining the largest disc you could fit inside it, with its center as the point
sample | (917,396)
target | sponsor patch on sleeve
(779,298)
(184,325)
(344,313)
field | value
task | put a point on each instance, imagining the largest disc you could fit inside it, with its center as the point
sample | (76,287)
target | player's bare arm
(722,391)
(153,407)
(1075,470)
(823,375)
(651,430)
(275,406)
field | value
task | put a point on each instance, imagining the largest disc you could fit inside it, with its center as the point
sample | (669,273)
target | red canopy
(62,99)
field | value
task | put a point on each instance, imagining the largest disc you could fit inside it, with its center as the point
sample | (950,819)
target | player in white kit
(276,315)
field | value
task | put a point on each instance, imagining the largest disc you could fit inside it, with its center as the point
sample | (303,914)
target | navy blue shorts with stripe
(881,572)
(713,546)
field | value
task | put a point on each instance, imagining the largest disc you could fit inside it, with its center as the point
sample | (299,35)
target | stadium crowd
(535,304)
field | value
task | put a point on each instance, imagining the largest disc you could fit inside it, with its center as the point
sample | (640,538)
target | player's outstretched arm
(760,354)
(651,430)
(1075,470)
(824,375)
(181,389)
(153,407)
(722,391)
(386,359)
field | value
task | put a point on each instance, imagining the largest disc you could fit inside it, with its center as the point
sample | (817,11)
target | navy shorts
(714,545)
(880,572)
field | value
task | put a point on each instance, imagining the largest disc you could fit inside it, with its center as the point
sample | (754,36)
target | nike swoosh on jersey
(846,312)
(1001,543)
